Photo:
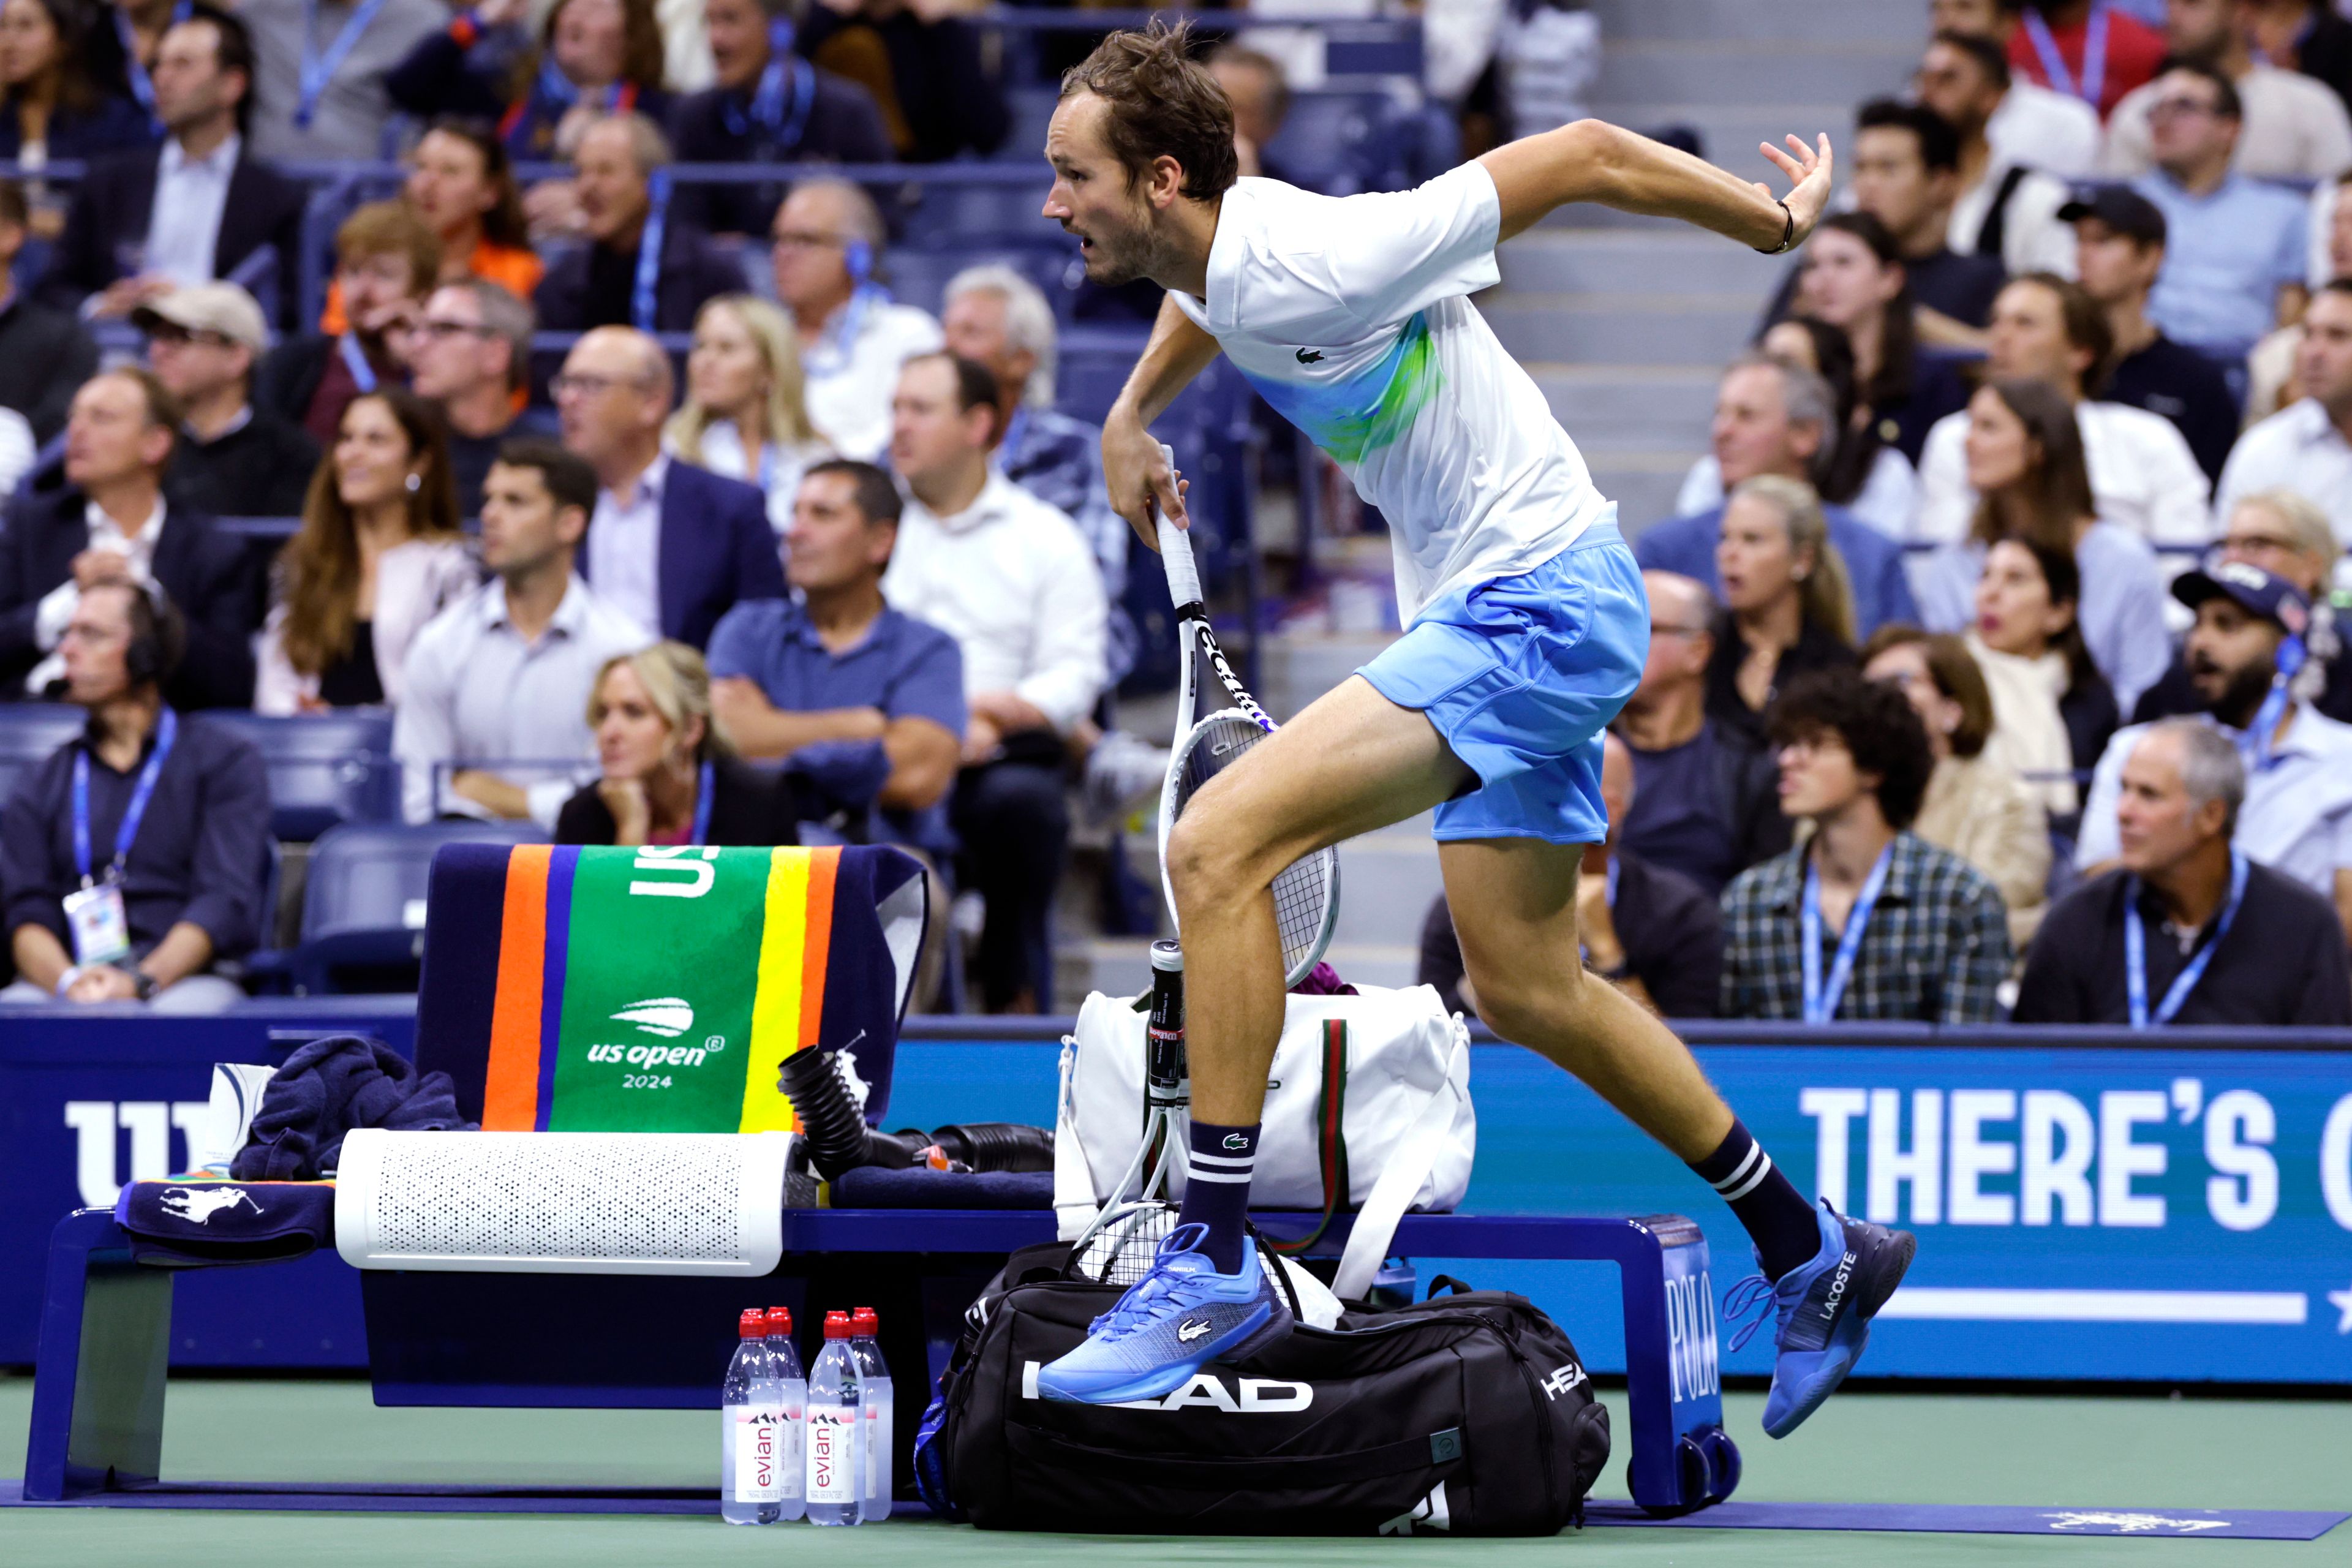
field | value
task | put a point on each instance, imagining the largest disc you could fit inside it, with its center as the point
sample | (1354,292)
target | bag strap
(1073,1184)
(1259,1473)
(1407,1167)
(1330,1136)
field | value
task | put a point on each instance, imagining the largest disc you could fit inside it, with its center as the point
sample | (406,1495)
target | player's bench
(652,1343)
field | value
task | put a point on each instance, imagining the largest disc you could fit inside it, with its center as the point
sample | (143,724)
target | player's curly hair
(1162,103)
(1875,723)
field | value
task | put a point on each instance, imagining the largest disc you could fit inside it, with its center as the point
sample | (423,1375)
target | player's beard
(1137,252)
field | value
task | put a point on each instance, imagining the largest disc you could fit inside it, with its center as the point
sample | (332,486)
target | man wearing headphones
(828,239)
(2246,661)
(135,857)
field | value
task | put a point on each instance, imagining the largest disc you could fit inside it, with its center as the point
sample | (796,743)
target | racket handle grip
(1176,551)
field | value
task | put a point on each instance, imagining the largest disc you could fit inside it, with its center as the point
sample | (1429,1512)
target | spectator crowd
(1998,625)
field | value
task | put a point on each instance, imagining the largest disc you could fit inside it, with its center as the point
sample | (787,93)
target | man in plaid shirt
(1932,944)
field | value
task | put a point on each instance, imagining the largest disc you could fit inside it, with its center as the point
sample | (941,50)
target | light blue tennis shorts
(1520,675)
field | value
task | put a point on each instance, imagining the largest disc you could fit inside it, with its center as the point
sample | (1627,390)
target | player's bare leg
(1514,904)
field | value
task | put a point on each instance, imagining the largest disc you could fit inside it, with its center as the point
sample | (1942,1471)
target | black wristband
(1788,231)
(141,982)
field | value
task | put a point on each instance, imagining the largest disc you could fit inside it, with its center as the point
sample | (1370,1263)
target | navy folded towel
(327,1089)
(207,1223)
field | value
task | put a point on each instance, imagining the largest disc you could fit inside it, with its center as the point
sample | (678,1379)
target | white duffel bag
(1367,1109)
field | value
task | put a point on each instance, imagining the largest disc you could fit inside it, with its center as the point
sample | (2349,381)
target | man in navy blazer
(194,208)
(672,546)
(1773,418)
(109,523)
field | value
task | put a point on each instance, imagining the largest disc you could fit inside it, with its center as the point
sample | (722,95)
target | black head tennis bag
(1470,1415)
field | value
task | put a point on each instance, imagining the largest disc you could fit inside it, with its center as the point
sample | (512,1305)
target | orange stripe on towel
(825,864)
(511,1094)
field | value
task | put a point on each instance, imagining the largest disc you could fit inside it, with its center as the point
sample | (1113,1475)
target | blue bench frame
(99,1390)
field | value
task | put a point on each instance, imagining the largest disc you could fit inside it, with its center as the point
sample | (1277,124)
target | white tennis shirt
(1351,316)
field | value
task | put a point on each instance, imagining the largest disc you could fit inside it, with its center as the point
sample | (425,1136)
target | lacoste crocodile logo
(1309,356)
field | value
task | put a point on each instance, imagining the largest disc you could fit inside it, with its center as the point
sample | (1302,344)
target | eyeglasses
(2173,108)
(443,329)
(173,333)
(566,383)
(808,239)
(2247,544)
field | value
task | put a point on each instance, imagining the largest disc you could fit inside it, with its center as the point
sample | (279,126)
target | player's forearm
(1178,351)
(1593,161)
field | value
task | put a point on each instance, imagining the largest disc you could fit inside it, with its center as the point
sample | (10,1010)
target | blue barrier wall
(2090,1206)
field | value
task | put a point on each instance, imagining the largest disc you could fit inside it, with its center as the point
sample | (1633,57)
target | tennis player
(1527,629)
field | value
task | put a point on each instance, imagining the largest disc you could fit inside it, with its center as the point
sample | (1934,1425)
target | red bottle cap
(752,1324)
(864,1323)
(836,1325)
(780,1322)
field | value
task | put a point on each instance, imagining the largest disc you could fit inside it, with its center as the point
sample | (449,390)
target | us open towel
(658,989)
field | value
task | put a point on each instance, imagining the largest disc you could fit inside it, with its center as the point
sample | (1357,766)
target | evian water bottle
(836,1452)
(752,1439)
(793,1389)
(873,1378)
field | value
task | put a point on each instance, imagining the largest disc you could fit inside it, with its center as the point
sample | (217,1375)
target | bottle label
(758,1453)
(833,1470)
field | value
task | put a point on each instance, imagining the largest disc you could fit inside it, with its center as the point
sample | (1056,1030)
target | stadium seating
(29,731)
(363,904)
(324,768)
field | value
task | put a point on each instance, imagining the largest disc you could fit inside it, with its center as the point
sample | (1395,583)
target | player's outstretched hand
(1139,478)
(1809,173)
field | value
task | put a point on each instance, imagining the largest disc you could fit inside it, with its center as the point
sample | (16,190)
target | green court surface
(1862,1447)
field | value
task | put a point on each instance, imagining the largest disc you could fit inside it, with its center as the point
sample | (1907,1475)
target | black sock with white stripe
(1785,1228)
(1216,1189)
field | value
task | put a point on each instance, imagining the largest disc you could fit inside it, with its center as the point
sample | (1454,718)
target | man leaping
(1527,630)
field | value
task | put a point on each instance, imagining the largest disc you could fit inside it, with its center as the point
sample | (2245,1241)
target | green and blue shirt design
(1351,316)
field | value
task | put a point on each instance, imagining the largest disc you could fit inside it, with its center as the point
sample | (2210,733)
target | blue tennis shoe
(1178,1318)
(1824,1309)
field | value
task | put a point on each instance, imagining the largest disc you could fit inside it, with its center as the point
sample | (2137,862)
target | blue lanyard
(318,69)
(2135,951)
(702,793)
(831,352)
(771,104)
(167,730)
(355,360)
(2094,55)
(1008,451)
(1820,1004)
(2255,740)
(642,295)
(767,465)
(134,69)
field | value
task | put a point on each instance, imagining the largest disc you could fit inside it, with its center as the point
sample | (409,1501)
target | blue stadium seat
(980,214)
(363,902)
(1343,143)
(324,768)
(29,731)
(919,277)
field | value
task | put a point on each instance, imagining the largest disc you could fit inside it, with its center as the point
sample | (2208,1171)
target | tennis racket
(1307,894)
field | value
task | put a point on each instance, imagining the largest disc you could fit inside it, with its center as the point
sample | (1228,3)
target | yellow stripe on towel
(776,1004)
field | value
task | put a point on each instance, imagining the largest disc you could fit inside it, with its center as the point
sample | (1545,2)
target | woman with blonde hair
(1788,607)
(1977,805)
(379,554)
(670,773)
(744,415)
